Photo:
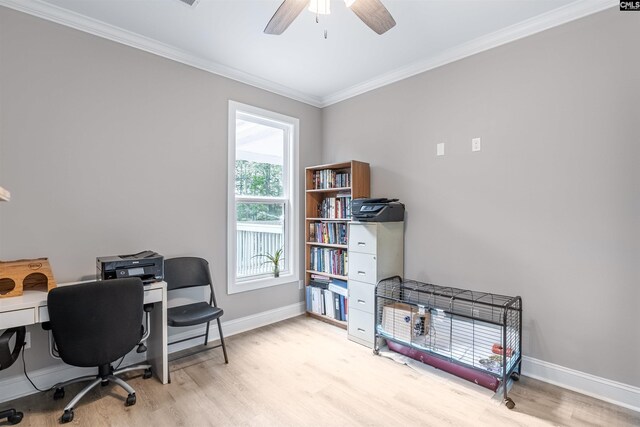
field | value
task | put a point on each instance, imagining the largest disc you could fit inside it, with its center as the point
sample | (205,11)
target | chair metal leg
(206,334)
(132,368)
(122,383)
(75,380)
(82,393)
(224,348)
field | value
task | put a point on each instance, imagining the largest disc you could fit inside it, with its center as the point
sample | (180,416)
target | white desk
(31,308)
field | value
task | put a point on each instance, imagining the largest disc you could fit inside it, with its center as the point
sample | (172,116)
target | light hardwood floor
(303,372)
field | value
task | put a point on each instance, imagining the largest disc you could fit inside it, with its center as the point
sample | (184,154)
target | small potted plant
(275,259)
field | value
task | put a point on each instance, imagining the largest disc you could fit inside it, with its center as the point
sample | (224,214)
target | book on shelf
(335,207)
(328,260)
(329,178)
(327,303)
(333,233)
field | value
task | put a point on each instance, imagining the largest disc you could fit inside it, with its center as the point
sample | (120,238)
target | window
(263,202)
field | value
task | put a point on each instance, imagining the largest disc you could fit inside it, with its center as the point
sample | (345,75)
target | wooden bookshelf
(356,186)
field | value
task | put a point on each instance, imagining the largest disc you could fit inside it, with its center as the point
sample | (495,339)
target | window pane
(259,159)
(259,231)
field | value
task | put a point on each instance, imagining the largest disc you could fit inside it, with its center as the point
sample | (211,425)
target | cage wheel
(67,417)
(515,376)
(58,394)
(509,403)
(15,418)
(376,351)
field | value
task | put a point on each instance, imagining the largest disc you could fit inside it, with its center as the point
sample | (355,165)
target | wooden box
(25,274)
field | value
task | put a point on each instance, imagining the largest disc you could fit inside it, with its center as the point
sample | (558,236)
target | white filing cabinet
(376,251)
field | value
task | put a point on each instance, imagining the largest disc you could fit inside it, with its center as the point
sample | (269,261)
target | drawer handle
(362,273)
(361,301)
(361,330)
(362,244)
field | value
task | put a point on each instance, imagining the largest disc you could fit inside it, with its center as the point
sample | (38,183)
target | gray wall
(549,209)
(107,149)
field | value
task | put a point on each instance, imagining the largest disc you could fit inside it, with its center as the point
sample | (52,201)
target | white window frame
(292,200)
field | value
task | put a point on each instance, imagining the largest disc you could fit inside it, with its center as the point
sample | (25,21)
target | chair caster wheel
(515,376)
(376,352)
(509,403)
(58,394)
(15,418)
(104,383)
(148,373)
(131,400)
(67,417)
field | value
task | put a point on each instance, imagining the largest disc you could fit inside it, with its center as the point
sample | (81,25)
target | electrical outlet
(27,340)
(475,144)
(440,149)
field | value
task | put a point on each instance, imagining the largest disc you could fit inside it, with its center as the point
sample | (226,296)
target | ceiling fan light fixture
(320,7)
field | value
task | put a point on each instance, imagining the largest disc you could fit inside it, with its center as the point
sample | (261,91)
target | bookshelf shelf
(345,181)
(330,219)
(327,245)
(324,318)
(330,190)
(333,276)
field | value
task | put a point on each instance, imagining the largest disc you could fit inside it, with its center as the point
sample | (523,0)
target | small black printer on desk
(147,265)
(377,210)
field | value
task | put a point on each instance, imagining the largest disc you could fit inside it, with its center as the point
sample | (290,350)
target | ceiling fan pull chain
(325,34)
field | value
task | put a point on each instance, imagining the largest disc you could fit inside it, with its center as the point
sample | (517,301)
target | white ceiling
(225,37)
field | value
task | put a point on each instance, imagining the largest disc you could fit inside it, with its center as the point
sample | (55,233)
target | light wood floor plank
(303,372)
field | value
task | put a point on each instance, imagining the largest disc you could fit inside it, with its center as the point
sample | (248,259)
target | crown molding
(553,18)
(98,28)
(545,21)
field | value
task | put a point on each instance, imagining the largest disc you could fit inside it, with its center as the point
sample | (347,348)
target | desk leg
(157,345)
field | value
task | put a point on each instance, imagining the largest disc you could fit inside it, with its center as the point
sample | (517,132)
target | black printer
(147,265)
(377,210)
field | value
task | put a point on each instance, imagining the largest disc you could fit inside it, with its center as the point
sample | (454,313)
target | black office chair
(189,272)
(7,357)
(93,325)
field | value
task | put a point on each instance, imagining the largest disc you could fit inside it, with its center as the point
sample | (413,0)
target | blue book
(341,283)
(342,316)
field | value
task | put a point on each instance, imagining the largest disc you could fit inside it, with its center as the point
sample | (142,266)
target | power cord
(24,367)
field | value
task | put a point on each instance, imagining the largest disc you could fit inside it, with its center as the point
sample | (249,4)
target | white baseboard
(237,326)
(615,392)
(618,393)
(18,386)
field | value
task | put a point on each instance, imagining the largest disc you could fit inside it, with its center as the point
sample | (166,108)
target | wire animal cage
(475,335)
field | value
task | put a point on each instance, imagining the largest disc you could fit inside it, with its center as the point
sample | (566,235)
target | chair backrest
(96,323)
(188,272)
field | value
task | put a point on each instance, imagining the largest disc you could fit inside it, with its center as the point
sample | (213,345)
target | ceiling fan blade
(284,16)
(374,14)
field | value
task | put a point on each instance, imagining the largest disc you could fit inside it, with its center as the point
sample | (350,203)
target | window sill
(260,283)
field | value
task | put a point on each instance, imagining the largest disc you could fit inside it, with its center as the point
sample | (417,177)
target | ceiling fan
(371,12)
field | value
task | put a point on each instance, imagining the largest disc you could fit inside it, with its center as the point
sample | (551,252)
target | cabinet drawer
(10,319)
(360,327)
(362,267)
(153,295)
(361,296)
(362,238)
(43,314)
